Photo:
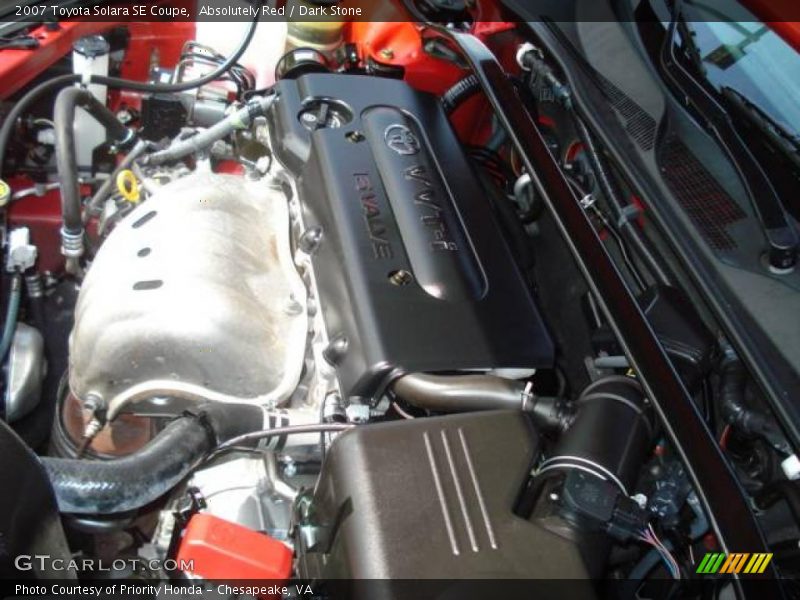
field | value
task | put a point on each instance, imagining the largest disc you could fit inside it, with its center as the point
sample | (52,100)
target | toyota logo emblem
(400,139)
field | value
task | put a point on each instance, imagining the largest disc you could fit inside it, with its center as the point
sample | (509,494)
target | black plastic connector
(599,505)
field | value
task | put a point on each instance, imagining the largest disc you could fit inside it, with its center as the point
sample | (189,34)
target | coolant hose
(464,393)
(133,481)
(67,101)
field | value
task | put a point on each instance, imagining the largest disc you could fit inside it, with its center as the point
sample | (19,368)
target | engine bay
(307,307)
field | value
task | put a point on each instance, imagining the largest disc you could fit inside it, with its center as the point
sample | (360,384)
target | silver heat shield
(194,296)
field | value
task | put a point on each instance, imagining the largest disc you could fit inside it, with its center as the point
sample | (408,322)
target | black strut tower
(729,513)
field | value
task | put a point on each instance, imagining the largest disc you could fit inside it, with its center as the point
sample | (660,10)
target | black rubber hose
(114,82)
(465,393)
(64,120)
(130,482)
(627,225)
(33,285)
(459,92)
(12,311)
(171,88)
(732,384)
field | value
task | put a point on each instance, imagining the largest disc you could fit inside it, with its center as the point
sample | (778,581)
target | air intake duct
(583,489)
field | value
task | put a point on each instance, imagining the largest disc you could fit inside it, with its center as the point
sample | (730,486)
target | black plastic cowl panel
(393,192)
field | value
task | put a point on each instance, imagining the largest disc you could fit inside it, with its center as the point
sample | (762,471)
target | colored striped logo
(737,562)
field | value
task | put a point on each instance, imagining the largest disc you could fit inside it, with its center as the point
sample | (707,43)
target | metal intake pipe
(464,393)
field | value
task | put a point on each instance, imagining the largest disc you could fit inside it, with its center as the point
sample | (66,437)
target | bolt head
(400,278)
(310,240)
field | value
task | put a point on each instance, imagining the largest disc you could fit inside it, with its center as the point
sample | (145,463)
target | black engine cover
(413,271)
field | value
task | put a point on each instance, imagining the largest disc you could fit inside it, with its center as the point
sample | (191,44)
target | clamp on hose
(71,243)
(527,396)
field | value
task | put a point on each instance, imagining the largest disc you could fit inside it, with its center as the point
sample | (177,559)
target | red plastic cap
(224,550)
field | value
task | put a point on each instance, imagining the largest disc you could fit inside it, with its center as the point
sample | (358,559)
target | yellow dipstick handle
(128,186)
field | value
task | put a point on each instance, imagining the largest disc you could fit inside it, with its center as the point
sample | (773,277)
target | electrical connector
(600,505)
(21,253)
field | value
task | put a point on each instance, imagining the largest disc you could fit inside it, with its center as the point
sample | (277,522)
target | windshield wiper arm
(778,228)
(787,143)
